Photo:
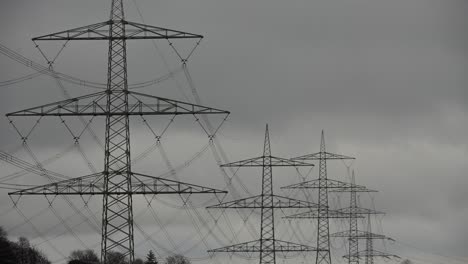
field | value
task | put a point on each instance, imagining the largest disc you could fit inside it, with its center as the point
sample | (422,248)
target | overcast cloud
(385,79)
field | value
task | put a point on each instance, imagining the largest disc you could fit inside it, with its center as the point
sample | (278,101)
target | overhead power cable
(20,79)
(43,70)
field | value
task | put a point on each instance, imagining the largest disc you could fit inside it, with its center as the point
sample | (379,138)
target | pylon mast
(117,183)
(267,245)
(323,184)
(354,234)
(369,253)
(117,212)
(354,212)
(324,213)
(369,242)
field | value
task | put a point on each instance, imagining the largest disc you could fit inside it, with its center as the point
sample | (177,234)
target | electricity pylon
(117,183)
(354,212)
(369,253)
(351,213)
(267,245)
(323,184)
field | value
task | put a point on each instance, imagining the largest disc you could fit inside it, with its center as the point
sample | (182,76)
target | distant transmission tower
(322,213)
(267,245)
(369,253)
(117,183)
(354,212)
(354,234)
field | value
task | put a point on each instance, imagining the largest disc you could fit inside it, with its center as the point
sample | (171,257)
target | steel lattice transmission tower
(117,183)
(354,212)
(350,213)
(354,234)
(370,253)
(323,184)
(267,245)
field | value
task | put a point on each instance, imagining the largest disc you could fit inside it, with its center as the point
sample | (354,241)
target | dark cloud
(385,79)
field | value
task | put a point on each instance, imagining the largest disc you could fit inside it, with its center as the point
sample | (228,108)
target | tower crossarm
(139,104)
(275,162)
(255,202)
(88,184)
(100,31)
(254,246)
(353,189)
(144,184)
(322,156)
(358,211)
(361,235)
(323,183)
(315,213)
(373,253)
(93,184)
(82,105)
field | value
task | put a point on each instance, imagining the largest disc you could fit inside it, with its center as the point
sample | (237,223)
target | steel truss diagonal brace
(373,253)
(275,162)
(101,31)
(324,183)
(95,105)
(94,185)
(360,235)
(352,189)
(142,31)
(256,203)
(255,246)
(83,105)
(155,104)
(322,156)
(145,184)
(358,211)
(316,213)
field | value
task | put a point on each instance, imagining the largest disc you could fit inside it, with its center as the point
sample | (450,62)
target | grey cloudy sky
(385,79)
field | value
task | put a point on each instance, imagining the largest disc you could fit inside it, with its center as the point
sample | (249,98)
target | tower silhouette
(354,212)
(117,183)
(267,202)
(323,184)
(370,253)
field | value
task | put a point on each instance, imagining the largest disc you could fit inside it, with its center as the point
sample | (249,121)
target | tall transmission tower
(323,184)
(369,253)
(354,212)
(267,245)
(117,183)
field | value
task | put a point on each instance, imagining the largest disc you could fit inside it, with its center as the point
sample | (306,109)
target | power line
(268,245)
(117,183)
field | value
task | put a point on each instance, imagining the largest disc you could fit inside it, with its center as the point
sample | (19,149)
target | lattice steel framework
(267,245)
(117,183)
(369,253)
(322,184)
(353,212)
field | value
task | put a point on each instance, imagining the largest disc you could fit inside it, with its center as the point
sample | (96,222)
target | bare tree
(114,257)
(85,256)
(177,259)
(138,261)
(7,249)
